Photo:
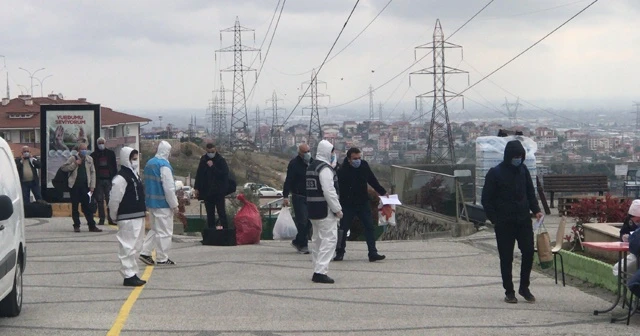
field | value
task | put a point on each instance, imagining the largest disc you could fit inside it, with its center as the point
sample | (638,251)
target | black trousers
(216,204)
(506,236)
(79,196)
(101,194)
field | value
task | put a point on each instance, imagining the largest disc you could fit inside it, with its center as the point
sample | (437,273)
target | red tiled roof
(108,116)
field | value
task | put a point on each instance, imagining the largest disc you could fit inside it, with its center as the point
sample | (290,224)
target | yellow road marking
(117,326)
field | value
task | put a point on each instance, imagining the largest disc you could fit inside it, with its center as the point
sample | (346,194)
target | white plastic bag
(285,227)
(386,214)
(632,265)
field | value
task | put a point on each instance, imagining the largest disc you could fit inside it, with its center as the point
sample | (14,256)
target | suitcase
(223,237)
(38,210)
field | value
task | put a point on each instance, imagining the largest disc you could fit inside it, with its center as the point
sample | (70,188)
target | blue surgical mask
(307,157)
(516,162)
(100,146)
(211,155)
(83,152)
(333,158)
(356,163)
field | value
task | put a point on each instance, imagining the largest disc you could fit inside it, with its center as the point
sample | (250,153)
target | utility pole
(31,75)
(380,112)
(315,127)
(239,119)
(275,134)
(637,130)
(4,60)
(512,110)
(440,147)
(421,110)
(220,104)
(371,103)
(257,138)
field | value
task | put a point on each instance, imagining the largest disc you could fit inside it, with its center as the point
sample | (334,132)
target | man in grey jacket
(82,182)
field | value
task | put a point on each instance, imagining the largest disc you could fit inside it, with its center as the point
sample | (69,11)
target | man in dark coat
(28,172)
(295,184)
(106,169)
(212,182)
(353,177)
(508,197)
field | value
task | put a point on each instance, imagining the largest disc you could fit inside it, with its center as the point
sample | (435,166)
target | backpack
(61,180)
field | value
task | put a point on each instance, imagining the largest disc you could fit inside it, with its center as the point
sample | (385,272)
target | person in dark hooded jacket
(508,197)
(212,182)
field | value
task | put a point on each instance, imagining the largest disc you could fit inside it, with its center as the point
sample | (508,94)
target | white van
(13,250)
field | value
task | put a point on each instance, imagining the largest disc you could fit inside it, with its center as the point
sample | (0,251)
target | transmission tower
(257,137)
(315,128)
(440,147)
(512,110)
(239,119)
(275,135)
(210,117)
(421,110)
(220,107)
(380,112)
(371,103)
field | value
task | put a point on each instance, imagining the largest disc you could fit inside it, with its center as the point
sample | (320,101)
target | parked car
(268,191)
(254,186)
(13,249)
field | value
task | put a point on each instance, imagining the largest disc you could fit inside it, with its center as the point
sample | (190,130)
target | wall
(413,224)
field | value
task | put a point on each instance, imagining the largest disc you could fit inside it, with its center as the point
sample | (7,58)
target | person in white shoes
(127,207)
(160,195)
(324,210)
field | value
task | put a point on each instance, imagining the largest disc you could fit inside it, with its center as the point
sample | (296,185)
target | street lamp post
(31,76)
(41,84)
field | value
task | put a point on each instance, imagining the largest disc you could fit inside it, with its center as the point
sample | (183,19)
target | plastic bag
(545,256)
(386,214)
(285,227)
(632,265)
(248,223)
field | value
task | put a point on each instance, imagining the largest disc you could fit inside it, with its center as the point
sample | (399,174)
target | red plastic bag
(248,223)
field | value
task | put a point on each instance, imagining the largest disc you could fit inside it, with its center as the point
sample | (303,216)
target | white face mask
(135,164)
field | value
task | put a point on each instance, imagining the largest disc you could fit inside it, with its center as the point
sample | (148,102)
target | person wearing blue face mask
(212,182)
(295,185)
(82,181)
(353,177)
(508,199)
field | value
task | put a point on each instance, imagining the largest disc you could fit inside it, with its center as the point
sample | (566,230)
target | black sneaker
(146,259)
(136,276)
(76,228)
(133,282)
(101,222)
(295,246)
(321,278)
(94,229)
(168,262)
(511,298)
(338,257)
(304,250)
(526,294)
(376,257)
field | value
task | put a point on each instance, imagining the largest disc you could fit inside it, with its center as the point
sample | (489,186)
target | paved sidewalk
(436,287)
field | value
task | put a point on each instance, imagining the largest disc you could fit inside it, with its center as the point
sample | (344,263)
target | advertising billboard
(62,128)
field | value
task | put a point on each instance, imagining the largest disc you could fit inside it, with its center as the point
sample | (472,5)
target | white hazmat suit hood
(130,231)
(325,231)
(164,150)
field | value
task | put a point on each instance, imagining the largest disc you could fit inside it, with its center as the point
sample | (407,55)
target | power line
(345,47)
(529,48)
(323,62)
(416,62)
(275,11)
(268,49)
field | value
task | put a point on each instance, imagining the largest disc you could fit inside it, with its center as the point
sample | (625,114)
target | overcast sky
(159,54)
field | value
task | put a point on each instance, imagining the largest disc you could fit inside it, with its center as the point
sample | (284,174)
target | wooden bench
(575,184)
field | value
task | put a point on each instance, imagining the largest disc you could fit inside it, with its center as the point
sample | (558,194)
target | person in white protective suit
(324,209)
(160,195)
(127,207)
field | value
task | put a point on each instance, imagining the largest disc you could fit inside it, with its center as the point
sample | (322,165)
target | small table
(622,248)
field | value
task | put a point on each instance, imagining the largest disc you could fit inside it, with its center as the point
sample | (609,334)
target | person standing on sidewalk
(212,182)
(82,182)
(28,171)
(161,199)
(106,170)
(295,184)
(324,210)
(353,176)
(127,206)
(508,197)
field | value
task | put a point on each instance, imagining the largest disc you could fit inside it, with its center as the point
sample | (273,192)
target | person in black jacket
(295,184)
(353,177)
(508,197)
(212,182)
(28,171)
(631,222)
(106,169)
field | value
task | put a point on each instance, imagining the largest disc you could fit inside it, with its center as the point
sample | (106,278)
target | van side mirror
(6,207)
